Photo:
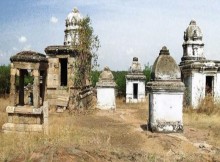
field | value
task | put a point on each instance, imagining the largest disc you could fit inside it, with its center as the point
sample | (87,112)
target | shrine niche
(106,90)
(135,83)
(32,114)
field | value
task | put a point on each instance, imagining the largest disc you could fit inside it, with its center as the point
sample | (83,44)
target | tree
(147,72)
(95,77)
(87,46)
(4,79)
(120,80)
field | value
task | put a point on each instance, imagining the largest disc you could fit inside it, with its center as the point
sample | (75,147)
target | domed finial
(135,59)
(106,68)
(75,10)
(164,51)
(192,22)
(164,48)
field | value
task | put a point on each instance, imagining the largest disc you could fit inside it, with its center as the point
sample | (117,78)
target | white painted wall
(198,88)
(129,91)
(165,107)
(217,87)
(196,84)
(198,50)
(106,98)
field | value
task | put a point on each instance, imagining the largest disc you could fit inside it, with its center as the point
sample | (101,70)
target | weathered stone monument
(29,116)
(165,95)
(106,90)
(62,59)
(201,76)
(135,83)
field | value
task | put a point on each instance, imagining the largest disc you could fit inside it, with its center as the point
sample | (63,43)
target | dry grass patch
(206,119)
(95,135)
(4,102)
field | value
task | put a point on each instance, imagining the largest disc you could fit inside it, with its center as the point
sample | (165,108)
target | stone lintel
(107,84)
(26,65)
(161,86)
(135,77)
(24,110)
(60,50)
(201,69)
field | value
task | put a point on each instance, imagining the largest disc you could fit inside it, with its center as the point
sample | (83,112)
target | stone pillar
(45,118)
(36,88)
(21,88)
(13,87)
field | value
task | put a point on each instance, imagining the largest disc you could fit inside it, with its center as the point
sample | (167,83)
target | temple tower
(201,76)
(72,25)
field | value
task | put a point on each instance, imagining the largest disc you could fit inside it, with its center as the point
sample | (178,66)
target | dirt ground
(117,136)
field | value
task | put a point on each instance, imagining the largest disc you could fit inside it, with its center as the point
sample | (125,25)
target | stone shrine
(201,76)
(135,83)
(61,91)
(165,95)
(29,116)
(106,90)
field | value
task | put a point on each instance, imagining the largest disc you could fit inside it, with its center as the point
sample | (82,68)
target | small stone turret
(165,95)
(106,78)
(193,46)
(106,90)
(135,67)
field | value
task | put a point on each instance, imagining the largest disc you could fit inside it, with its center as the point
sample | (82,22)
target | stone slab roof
(29,56)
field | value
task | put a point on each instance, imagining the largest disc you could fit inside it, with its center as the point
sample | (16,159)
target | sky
(126,28)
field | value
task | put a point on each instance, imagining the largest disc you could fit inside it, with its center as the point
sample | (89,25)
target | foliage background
(119,77)
(4,79)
